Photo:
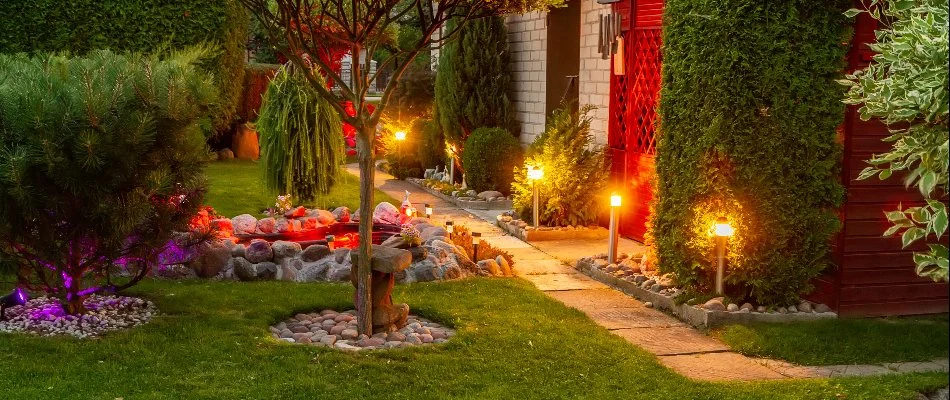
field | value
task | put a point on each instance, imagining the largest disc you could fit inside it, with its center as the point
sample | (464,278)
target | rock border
(693,315)
(469,204)
(522,230)
(337,330)
(44,316)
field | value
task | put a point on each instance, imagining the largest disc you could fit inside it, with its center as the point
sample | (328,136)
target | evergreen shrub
(749,110)
(490,159)
(432,145)
(101,161)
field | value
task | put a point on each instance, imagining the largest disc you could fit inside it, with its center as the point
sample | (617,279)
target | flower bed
(634,277)
(487,200)
(524,231)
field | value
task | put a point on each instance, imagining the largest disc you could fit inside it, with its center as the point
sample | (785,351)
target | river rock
(325,217)
(822,308)
(714,304)
(341,214)
(490,267)
(243,269)
(434,232)
(238,250)
(338,272)
(212,259)
(386,259)
(266,225)
(266,270)
(309,223)
(312,272)
(315,252)
(244,224)
(804,307)
(489,194)
(342,255)
(386,213)
(503,265)
(296,212)
(259,251)
(283,249)
(393,241)
(287,225)
(223,227)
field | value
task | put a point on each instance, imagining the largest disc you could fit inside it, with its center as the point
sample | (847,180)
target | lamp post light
(476,240)
(400,136)
(428,211)
(722,232)
(535,174)
(615,202)
(450,227)
(16,298)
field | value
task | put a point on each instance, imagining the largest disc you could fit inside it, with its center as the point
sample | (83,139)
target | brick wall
(594,76)
(527,40)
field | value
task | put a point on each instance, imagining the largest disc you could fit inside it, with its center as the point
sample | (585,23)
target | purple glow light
(21,294)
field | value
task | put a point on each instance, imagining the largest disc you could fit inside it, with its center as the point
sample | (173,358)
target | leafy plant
(748,132)
(490,157)
(101,161)
(575,173)
(301,137)
(907,86)
(462,237)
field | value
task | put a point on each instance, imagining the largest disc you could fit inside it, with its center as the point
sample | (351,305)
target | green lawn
(844,341)
(211,341)
(235,187)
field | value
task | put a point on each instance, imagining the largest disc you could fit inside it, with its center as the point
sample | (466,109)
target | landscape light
(476,240)
(723,228)
(722,231)
(400,135)
(17,297)
(450,227)
(614,228)
(428,210)
(534,175)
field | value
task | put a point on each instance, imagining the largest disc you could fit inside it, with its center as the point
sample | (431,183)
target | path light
(535,174)
(450,150)
(330,240)
(409,212)
(450,227)
(722,231)
(16,298)
(476,240)
(428,211)
(400,135)
(614,227)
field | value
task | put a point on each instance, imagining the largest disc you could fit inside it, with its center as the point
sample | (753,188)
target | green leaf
(912,235)
(852,12)
(892,230)
(940,222)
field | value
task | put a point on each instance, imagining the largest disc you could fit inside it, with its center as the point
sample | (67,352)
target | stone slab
(673,340)
(550,282)
(508,242)
(725,366)
(613,310)
(929,366)
(540,267)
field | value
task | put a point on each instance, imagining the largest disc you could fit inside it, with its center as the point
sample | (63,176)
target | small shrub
(575,175)
(490,158)
(463,238)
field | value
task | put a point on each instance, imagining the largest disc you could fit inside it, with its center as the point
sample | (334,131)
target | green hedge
(490,158)
(78,26)
(749,110)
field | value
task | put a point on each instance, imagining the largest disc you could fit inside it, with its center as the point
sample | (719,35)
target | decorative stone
(223,227)
(746,306)
(266,225)
(341,214)
(238,250)
(386,315)
(418,253)
(648,304)
(266,270)
(503,265)
(313,272)
(732,307)
(761,309)
(822,308)
(386,259)
(432,232)
(244,224)
(325,217)
(386,213)
(283,249)
(286,225)
(315,252)
(394,241)
(792,309)
(296,212)
(342,256)
(243,269)
(489,266)
(489,194)
(225,154)
(212,259)
(338,272)
(714,304)
(259,251)
(307,223)
(805,307)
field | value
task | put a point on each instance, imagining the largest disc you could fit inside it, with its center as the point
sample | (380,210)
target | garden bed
(524,231)
(658,292)
(488,200)
(329,328)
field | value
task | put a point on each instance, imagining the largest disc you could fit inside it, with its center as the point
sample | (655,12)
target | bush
(575,175)
(301,138)
(490,158)
(749,110)
(101,161)
(473,81)
(432,144)
(462,237)
(144,26)
(414,93)
(402,156)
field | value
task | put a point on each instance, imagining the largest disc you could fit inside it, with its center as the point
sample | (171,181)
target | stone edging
(529,234)
(694,316)
(472,205)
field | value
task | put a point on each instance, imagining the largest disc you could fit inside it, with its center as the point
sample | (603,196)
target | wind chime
(610,41)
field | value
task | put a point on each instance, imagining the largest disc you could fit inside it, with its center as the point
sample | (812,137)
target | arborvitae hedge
(78,26)
(472,80)
(749,110)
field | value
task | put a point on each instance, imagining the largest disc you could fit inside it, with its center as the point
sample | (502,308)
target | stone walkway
(678,346)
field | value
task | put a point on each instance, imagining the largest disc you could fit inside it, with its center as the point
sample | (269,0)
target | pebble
(732,307)
(648,304)
(45,316)
(329,328)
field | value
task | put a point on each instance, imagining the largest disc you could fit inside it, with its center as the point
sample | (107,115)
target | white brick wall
(594,80)
(527,41)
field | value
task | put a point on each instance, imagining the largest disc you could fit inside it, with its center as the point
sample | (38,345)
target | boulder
(424,271)
(822,308)
(266,270)
(238,250)
(225,154)
(287,225)
(243,269)
(244,224)
(747,306)
(315,252)
(489,194)
(338,272)
(266,225)
(805,307)
(259,251)
(386,259)
(296,212)
(489,266)
(714,304)
(386,213)
(325,217)
(312,272)
(288,272)
(223,227)
(434,232)
(452,272)
(394,241)
(283,249)
(309,223)
(341,255)
(503,265)
(418,253)
(341,214)
(212,259)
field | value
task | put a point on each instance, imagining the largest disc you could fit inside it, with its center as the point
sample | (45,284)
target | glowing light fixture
(409,212)
(450,227)
(476,240)
(428,210)
(722,231)
(615,201)
(723,228)
(400,135)
(17,297)
(535,174)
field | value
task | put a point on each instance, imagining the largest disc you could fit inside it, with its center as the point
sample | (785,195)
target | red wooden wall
(875,276)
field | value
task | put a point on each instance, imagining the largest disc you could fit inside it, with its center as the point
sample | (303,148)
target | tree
(101,161)
(307,27)
(906,85)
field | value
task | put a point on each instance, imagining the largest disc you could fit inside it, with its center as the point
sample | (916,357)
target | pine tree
(101,161)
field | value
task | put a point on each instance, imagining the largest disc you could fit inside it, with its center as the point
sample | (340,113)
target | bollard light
(428,210)
(476,240)
(615,201)
(535,174)
(723,230)
(16,298)
(450,227)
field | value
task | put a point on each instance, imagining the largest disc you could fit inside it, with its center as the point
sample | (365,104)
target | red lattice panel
(644,88)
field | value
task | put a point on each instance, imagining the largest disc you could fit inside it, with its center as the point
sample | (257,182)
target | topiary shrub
(301,138)
(575,174)
(432,143)
(749,110)
(490,158)
(101,161)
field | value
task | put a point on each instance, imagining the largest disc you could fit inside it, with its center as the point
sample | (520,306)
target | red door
(633,101)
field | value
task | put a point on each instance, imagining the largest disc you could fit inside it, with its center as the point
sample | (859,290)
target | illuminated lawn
(211,341)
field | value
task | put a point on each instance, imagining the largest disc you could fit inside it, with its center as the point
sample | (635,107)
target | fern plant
(301,138)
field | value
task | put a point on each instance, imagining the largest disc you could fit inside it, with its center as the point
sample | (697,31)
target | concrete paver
(720,367)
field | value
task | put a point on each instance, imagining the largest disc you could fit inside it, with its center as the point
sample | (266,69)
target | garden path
(678,346)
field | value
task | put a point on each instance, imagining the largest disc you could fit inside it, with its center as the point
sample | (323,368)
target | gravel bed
(334,329)
(45,316)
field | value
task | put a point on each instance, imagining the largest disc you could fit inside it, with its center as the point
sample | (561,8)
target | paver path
(678,346)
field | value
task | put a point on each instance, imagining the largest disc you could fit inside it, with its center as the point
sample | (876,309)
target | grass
(235,187)
(844,341)
(211,341)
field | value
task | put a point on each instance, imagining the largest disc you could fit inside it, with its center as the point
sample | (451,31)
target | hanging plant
(301,138)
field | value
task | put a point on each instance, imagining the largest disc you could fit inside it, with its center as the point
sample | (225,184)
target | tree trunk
(364,311)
